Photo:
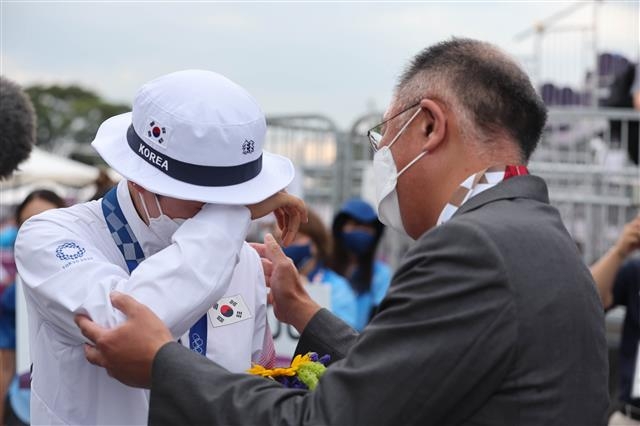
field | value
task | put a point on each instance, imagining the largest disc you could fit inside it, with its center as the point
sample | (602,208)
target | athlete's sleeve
(65,274)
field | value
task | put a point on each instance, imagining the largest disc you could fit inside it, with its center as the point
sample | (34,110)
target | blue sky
(337,59)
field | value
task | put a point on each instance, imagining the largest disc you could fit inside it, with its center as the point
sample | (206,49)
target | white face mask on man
(386,178)
(162,226)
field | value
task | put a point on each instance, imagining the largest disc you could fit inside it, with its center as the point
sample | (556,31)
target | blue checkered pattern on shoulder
(120,230)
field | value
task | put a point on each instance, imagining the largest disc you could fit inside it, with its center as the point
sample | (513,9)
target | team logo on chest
(229,310)
(70,251)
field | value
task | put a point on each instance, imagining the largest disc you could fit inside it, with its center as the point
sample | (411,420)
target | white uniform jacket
(69,264)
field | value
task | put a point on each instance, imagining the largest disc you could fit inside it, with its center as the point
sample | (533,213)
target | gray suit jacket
(492,319)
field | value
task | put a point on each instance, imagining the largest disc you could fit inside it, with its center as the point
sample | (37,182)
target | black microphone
(17,126)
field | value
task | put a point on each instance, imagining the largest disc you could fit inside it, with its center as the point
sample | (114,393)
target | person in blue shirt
(356,233)
(7,299)
(7,314)
(310,252)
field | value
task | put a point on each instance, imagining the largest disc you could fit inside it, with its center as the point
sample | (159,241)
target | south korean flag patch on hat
(229,310)
(157,133)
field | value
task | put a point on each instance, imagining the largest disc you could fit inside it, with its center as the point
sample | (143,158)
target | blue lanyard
(133,255)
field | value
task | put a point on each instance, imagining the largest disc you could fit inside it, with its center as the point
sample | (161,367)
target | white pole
(596,66)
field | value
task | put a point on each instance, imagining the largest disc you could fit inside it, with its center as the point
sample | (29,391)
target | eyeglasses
(376,133)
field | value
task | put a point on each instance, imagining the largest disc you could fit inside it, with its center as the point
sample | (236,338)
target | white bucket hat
(194,135)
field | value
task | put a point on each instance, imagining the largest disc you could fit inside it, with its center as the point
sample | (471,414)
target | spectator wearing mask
(356,232)
(310,252)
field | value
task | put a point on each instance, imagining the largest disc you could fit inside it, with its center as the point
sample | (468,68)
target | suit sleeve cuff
(326,334)
(162,363)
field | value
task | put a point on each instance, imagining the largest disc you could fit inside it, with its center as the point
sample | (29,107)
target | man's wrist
(304,313)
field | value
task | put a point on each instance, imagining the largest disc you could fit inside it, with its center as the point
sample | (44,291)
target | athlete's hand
(290,211)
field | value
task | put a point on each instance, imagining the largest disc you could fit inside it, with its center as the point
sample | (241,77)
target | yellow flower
(297,362)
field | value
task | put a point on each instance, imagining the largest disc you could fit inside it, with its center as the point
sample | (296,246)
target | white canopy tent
(45,166)
(68,178)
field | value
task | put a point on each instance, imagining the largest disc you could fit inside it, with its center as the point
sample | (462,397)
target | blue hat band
(193,173)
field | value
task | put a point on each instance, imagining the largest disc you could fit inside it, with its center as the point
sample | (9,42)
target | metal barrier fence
(585,158)
(589,136)
(583,155)
(312,144)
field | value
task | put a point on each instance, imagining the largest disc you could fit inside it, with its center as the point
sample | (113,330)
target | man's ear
(434,124)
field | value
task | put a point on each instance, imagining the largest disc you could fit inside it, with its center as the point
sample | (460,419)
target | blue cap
(359,210)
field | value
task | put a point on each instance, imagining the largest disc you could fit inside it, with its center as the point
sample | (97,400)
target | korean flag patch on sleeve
(229,310)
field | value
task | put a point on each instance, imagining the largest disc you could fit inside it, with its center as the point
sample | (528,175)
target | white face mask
(386,178)
(162,226)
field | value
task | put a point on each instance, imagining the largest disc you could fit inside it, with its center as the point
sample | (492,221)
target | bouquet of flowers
(303,373)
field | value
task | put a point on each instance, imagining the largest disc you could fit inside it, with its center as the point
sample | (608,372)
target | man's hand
(290,211)
(126,351)
(629,239)
(291,302)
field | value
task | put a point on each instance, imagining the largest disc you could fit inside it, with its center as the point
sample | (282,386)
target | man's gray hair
(487,91)
(17,126)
